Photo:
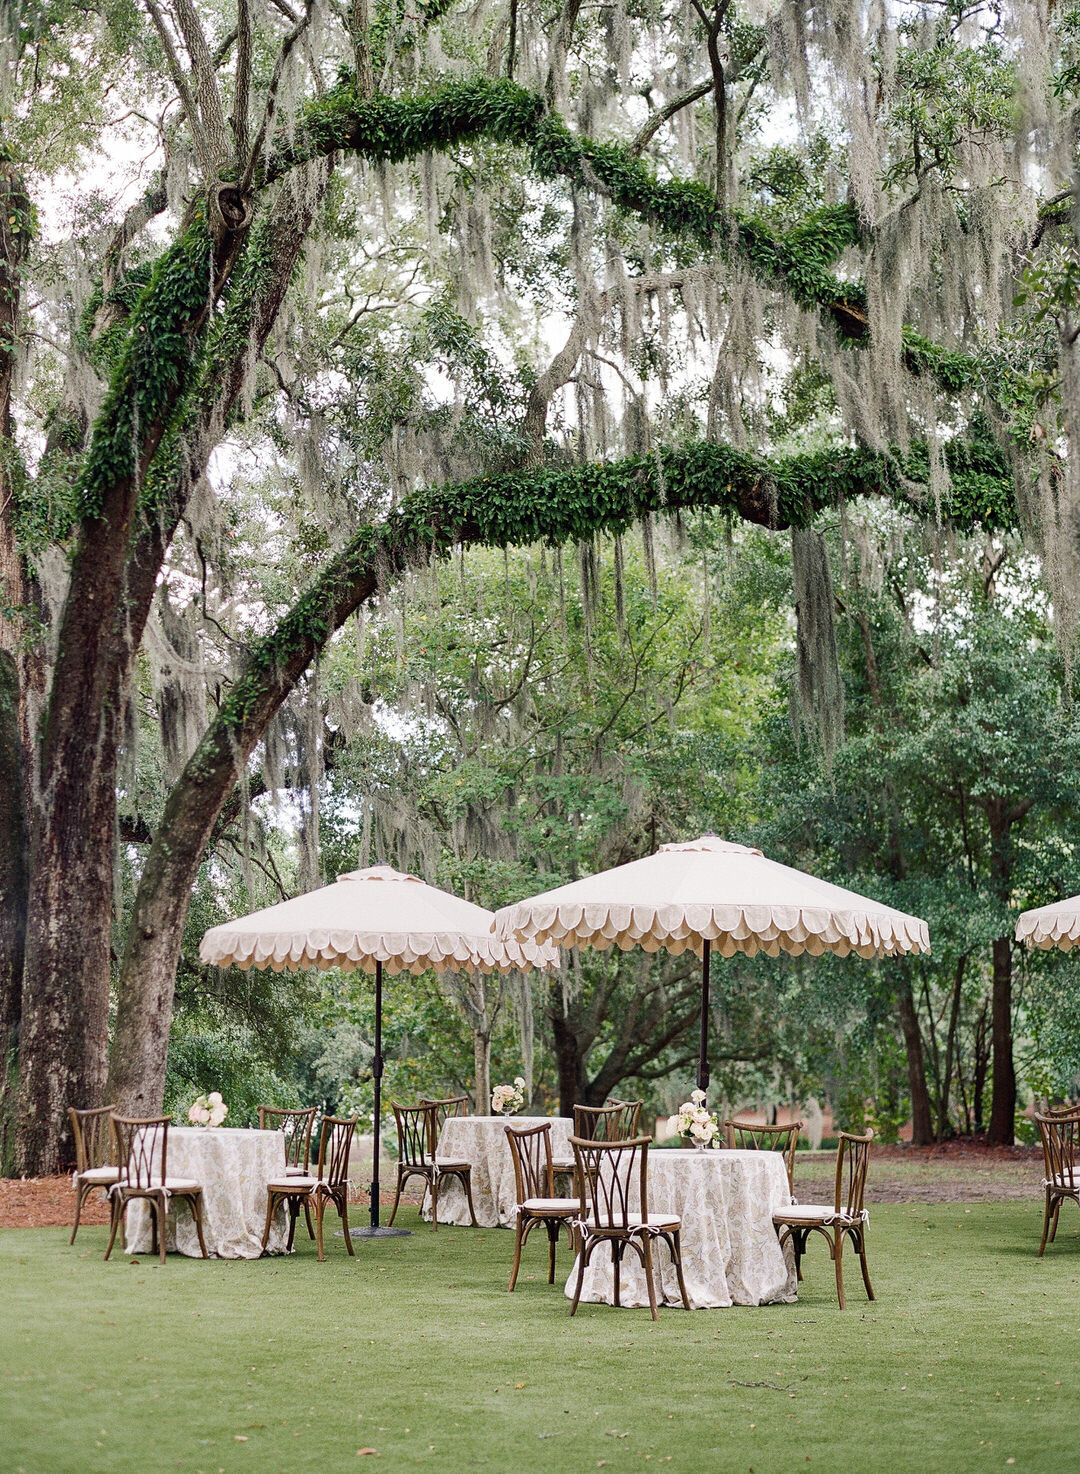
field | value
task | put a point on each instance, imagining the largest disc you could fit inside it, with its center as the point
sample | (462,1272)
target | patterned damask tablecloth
(481,1141)
(234,1166)
(731,1255)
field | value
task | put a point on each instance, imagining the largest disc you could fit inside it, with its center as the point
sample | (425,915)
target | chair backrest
(296,1126)
(747,1136)
(94,1143)
(1066,1109)
(626,1123)
(530,1149)
(852,1160)
(607,1122)
(335,1139)
(139,1140)
(416,1134)
(445,1106)
(605,1173)
(1060,1135)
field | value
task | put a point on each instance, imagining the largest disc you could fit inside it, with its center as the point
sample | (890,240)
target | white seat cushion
(452,1166)
(656,1220)
(812,1213)
(171,1185)
(293,1185)
(551,1205)
(293,1171)
(99,1174)
(562,1164)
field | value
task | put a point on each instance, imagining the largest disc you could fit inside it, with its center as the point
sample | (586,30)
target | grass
(967,1361)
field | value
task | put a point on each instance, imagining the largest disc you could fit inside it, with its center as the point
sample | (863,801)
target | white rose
(519,1082)
(214,1098)
(697,1096)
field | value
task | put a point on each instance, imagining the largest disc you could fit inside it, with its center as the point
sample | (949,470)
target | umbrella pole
(376,1074)
(374,1231)
(703,1053)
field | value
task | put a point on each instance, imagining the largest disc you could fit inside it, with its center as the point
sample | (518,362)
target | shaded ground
(955,1173)
(958,1172)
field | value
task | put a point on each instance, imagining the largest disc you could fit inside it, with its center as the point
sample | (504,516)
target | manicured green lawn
(969,1360)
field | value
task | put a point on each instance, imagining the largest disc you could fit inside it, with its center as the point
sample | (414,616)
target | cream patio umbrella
(1057,925)
(710,895)
(372,920)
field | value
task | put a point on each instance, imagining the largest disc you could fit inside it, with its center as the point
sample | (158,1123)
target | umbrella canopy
(711,891)
(1051,926)
(369,917)
(372,920)
(707,894)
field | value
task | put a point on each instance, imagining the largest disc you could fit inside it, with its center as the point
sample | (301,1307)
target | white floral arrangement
(506,1098)
(694,1121)
(208,1110)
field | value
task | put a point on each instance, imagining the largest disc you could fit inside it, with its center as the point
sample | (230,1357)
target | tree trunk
(922,1122)
(13,890)
(569,1061)
(982,1061)
(950,1050)
(1003,1097)
(482,1072)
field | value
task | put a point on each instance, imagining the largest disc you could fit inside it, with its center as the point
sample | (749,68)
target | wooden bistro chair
(447,1106)
(1059,1134)
(534,1184)
(747,1136)
(329,1185)
(846,1218)
(417,1135)
(605,1173)
(138,1141)
(615,1120)
(296,1126)
(95,1164)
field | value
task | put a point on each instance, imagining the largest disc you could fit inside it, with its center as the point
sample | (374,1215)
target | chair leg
(1046,1223)
(271,1204)
(343,1210)
(647,1265)
(153,1229)
(1057,1214)
(196,1212)
(293,1209)
(838,1261)
(517,1253)
(80,1196)
(320,1204)
(676,1245)
(553,1239)
(307,1219)
(161,1209)
(466,1182)
(116,1219)
(862,1263)
(435,1201)
(582,1260)
(616,1266)
(397,1200)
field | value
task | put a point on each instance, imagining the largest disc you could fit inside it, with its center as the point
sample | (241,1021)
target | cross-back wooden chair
(1060,1134)
(329,1185)
(847,1218)
(445,1107)
(417,1137)
(613,1121)
(142,1148)
(747,1136)
(534,1185)
(606,1173)
(295,1124)
(95,1160)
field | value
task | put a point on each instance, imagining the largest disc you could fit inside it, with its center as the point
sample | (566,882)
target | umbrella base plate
(367,1232)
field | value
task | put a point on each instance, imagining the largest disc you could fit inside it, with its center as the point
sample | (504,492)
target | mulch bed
(958,1172)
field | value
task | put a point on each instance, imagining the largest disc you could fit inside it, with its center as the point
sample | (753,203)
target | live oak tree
(618,165)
